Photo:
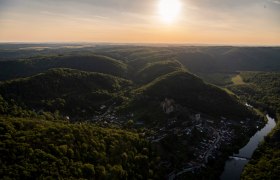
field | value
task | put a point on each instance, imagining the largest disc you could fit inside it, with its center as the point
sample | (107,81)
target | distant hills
(231,59)
(121,60)
(32,66)
(100,75)
(156,69)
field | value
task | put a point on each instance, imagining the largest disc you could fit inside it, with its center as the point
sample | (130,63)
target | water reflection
(235,165)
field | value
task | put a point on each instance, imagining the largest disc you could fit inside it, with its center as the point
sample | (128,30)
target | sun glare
(169,10)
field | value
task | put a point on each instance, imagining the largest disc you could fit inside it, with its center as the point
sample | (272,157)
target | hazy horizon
(203,22)
(160,44)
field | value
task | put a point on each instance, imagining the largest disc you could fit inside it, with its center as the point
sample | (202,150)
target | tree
(130,123)
(88,171)
(100,172)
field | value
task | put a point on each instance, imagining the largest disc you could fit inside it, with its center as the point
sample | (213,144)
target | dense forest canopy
(60,89)
(35,148)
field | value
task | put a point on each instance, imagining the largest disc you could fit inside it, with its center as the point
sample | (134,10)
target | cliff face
(168,105)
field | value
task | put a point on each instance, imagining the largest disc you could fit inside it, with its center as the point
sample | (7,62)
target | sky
(229,22)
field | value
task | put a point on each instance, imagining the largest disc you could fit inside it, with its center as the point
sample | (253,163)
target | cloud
(113,5)
(224,4)
(103,8)
(275,1)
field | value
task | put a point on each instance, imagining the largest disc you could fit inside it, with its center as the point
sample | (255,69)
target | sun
(169,10)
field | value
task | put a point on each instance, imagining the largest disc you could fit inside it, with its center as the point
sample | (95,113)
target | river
(234,165)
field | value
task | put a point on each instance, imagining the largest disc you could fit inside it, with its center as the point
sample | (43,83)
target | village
(212,133)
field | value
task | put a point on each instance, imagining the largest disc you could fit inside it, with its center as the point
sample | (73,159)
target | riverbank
(266,159)
(215,166)
(234,166)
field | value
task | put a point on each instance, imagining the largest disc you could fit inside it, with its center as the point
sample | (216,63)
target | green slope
(39,149)
(66,90)
(190,91)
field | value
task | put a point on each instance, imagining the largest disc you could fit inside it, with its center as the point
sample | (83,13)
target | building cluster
(211,133)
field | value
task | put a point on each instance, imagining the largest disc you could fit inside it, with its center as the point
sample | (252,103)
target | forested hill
(66,90)
(191,92)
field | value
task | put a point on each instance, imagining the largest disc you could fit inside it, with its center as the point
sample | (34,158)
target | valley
(179,110)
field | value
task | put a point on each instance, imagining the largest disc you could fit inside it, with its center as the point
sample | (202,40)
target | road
(212,147)
(173,175)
